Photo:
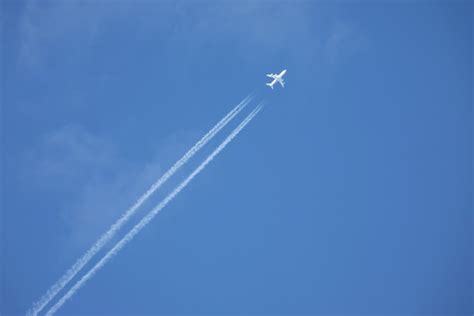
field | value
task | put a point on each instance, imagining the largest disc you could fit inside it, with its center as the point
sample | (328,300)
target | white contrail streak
(138,227)
(105,238)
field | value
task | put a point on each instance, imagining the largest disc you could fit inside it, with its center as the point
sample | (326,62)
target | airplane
(276,78)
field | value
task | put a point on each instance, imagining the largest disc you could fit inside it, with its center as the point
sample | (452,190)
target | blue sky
(350,193)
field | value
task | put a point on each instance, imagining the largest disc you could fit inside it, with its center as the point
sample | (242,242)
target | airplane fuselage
(277,78)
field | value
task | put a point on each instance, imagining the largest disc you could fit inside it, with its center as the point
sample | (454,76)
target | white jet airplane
(276,78)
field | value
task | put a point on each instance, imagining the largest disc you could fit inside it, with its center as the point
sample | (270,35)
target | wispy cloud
(85,177)
(344,41)
(261,26)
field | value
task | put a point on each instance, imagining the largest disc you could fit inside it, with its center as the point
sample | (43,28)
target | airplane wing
(282,82)
(271,76)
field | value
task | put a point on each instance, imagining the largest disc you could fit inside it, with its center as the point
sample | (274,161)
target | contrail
(105,238)
(138,227)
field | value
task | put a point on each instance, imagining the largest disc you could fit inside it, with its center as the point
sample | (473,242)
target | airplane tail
(270,85)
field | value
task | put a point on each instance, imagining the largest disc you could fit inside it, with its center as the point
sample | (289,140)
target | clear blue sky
(350,193)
